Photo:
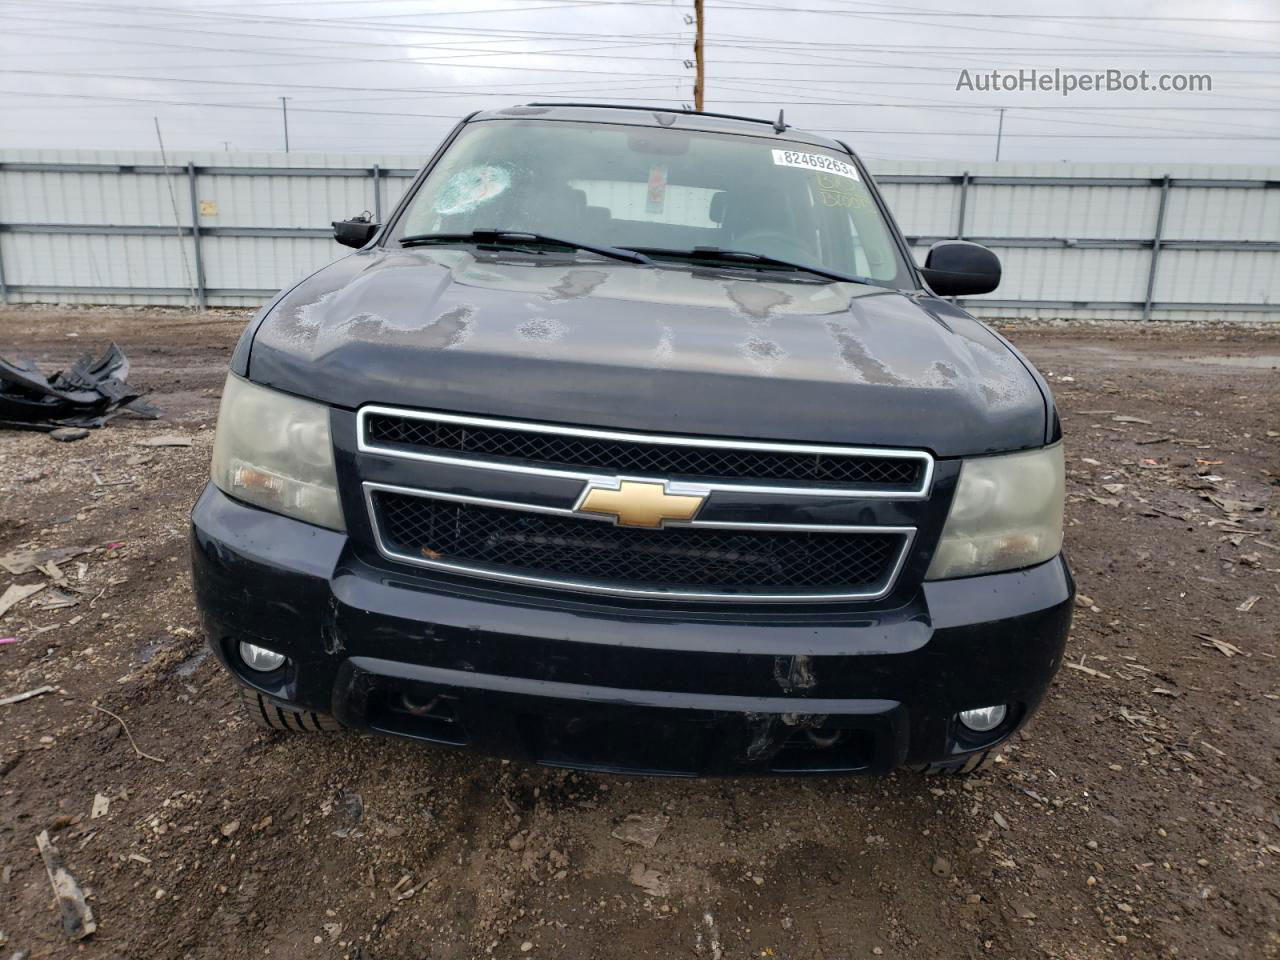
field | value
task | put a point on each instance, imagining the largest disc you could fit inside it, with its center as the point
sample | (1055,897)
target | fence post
(201,299)
(377,194)
(1155,247)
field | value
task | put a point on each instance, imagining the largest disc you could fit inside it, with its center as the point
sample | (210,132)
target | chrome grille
(462,511)
(820,467)
(673,559)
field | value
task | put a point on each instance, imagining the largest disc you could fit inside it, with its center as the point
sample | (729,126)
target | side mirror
(958,268)
(354,233)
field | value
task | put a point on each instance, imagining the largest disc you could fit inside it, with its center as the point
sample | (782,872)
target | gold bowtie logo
(639,504)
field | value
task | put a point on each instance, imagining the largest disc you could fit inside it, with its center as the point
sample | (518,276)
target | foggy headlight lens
(1007,513)
(274,451)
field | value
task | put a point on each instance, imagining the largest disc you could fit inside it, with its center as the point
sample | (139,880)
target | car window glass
(658,188)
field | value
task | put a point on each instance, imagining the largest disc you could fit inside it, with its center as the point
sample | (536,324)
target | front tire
(961,767)
(270,715)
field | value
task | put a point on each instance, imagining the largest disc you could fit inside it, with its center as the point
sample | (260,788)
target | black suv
(635,441)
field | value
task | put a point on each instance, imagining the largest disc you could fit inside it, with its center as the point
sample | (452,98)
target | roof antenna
(779,125)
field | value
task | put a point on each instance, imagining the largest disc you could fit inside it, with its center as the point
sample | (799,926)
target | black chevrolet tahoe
(635,440)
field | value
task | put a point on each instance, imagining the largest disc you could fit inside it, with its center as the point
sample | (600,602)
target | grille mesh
(569,548)
(639,457)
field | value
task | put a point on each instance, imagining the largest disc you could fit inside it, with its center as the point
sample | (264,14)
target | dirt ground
(1138,815)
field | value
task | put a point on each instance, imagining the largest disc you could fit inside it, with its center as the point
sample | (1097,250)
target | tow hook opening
(825,749)
(418,712)
(422,708)
(824,737)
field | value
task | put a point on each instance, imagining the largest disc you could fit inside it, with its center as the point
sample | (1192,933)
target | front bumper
(571,681)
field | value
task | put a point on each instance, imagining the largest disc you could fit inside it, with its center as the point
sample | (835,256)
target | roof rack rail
(635,106)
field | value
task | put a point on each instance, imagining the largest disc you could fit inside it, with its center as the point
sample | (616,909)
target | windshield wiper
(756,259)
(520,238)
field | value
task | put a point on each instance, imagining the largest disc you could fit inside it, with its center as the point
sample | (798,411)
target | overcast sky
(390,76)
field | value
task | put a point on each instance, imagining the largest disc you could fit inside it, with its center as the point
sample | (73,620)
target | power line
(950,46)
(420,91)
(292,85)
(341,42)
(894,16)
(320,59)
(880,17)
(875,131)
(647,92)
(292,23)
(447,60)
(1103,24)
(1043,16)
(834,86)
(862,63)
(367,24)
(325,57)
(234,106)
(761,43)
(985,110)
(860,9)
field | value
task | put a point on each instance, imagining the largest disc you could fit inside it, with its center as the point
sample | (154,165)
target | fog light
(984,719)
(260,658)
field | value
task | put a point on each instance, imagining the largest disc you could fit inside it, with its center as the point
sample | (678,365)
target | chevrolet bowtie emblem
(637,503)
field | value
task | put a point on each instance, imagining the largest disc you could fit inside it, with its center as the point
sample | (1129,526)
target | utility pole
(284,109)
(699,82)
(1000,133)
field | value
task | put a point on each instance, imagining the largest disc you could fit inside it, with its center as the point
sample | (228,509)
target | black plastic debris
(88,395)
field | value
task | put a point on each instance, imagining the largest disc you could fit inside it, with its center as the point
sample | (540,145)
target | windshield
(658,189)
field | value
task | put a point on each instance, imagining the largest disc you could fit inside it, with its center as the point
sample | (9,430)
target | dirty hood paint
(666,349)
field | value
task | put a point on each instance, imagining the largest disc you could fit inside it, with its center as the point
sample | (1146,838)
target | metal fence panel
(1064,212)
(1209,276)
(1224,214)
(263,263)
(1077,240)
(1093,275)
(924,208)
(97,261)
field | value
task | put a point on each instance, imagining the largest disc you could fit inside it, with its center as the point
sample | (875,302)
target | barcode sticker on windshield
(814,161)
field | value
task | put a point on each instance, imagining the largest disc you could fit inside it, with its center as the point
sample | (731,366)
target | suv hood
(674,349)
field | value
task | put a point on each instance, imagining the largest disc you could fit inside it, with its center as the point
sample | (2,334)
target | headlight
(274,451)
(1007,513)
